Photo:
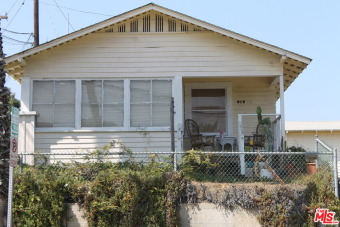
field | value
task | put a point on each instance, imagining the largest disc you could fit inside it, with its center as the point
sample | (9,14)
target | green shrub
(124,194)
(198,165)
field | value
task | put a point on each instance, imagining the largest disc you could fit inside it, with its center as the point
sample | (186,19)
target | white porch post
(177,91)
(241,144)
(26,123)
(282,109)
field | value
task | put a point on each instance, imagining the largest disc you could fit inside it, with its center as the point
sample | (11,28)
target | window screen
(102,103)
(150,103)
(54,101)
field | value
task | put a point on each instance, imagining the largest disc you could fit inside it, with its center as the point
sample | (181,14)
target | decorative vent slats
(146,23)
(134,26)
(184,27)
(152,22)
(172,25)
(121,28)
(159,23)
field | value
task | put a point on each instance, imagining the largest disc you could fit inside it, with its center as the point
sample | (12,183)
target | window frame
(188,87)
(102,103)
(126,105)
(32,103)
(151,101)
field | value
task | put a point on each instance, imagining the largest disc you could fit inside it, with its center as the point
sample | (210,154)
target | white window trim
(31,81)
(78,98)
(211,85)
(172,80)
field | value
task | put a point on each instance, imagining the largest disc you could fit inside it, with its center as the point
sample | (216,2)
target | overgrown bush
(198,165)
(124,194)
(137,194)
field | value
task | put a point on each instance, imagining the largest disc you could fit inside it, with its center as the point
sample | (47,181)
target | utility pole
(36,23)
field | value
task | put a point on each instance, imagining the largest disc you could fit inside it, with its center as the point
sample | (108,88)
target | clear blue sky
(307,27)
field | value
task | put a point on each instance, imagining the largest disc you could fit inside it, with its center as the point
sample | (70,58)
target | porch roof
(293,64)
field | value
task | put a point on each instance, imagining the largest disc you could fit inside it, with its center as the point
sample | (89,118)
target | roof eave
(93,28)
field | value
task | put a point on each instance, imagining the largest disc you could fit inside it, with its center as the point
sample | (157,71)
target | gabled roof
(293,63)
(312,126)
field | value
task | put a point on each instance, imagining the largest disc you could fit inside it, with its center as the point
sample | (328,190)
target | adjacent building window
(102,103)
(54,101)
(150,103)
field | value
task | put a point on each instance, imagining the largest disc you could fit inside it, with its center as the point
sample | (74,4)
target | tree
(7,100)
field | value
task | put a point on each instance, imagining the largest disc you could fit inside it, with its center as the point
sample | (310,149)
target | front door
(209,104)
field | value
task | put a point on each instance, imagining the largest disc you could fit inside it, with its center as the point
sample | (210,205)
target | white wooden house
(113,81)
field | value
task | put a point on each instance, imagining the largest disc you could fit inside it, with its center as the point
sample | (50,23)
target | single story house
(113,81)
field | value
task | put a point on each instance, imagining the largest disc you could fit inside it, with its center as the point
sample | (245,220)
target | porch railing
(275,130)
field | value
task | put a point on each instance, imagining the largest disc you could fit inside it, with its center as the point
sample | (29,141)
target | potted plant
(311,166)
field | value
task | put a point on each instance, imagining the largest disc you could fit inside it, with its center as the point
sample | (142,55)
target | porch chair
(197,140)
(257,140)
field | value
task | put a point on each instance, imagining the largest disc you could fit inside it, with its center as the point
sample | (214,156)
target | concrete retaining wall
(195,215)
(209,214)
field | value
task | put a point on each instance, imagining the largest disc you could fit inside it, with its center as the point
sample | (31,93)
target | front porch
(225,111)
(248,139)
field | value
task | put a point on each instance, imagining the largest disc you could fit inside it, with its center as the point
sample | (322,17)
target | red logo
(325,216)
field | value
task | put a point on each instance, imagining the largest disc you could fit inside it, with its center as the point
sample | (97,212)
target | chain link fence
(222,167)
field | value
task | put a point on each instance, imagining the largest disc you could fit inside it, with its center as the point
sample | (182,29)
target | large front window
(102,103)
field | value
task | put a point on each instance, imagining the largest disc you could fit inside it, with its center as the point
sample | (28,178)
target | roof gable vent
(134,26)
(146,23)
(159,23)
(172,25)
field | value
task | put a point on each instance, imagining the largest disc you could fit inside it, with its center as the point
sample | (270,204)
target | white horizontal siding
(82,142)
(196,54)
(255,92)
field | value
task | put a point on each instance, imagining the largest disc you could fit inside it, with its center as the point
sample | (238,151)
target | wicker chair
(257,140)
(197,140)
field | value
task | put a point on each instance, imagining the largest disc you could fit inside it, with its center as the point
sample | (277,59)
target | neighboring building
(113,81)
(303,133)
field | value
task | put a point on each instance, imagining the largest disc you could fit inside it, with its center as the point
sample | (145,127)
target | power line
(12,6)
(16,14)
(81,11)
(64,15)
(19,33)
(27,42)
(19,41)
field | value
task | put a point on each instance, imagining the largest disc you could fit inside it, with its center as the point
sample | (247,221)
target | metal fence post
(175,161)
(335,172)
(241,144)
(172,126)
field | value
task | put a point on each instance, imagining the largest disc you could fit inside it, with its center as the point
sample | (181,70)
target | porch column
(282,109)
(177,91)
(26,123)
(26,136)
